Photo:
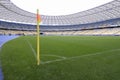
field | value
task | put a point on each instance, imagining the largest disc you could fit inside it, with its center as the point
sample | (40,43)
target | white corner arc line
(44,54)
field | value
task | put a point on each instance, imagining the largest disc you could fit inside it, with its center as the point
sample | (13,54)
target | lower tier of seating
(102,31)
(16,32)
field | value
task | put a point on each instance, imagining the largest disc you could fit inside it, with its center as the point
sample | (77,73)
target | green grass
(95,58)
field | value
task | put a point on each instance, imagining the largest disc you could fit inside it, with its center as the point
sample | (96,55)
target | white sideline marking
(31,48)
(57,60)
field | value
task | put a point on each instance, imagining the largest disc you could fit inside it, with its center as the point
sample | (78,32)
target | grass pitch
(62,58)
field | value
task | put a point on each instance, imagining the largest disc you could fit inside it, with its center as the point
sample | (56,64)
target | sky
(58,7)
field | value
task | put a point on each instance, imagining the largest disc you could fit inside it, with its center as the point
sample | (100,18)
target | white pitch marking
(31,48)
(44,54)
(57,60)
(64,58)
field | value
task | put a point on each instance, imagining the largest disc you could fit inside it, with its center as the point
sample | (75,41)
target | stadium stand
(101,20)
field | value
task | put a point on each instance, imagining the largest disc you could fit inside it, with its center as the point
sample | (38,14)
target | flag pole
(38,38)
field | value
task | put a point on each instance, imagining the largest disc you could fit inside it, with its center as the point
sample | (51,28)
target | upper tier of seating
(11,13)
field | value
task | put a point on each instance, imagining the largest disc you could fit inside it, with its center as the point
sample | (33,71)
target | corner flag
(38,37)
(38,16)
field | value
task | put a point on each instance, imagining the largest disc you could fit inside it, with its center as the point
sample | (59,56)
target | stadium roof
(12,13)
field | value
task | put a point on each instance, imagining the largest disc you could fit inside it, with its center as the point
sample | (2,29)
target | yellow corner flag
(38,37)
